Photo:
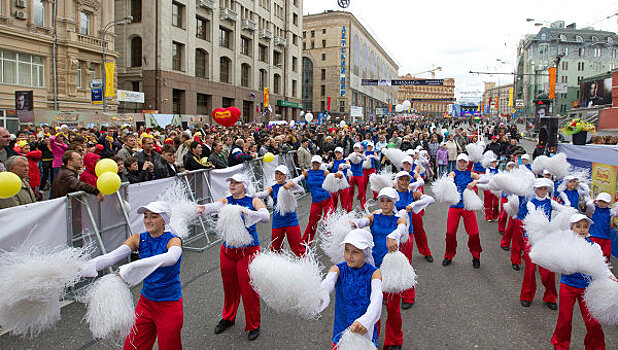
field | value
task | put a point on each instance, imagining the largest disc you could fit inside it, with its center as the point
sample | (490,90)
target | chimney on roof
(557,25)
(572,26)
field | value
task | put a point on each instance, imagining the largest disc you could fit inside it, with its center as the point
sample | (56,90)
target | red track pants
(366,173)
(235,277)
(156,320)
(419,234)
(318,209)
(595,338)
(528,286)
(408,296)
(362,191)
(504,217)
(346,201)
(514,232)
(393,335)
(491,206)
(606,246)
(294,239)
(452,223)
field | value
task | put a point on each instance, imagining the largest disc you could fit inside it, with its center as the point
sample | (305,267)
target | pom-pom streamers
(286,202)
(475,152)
(512,205)
(32,283)
(332,232)
(487,158)
(395,155)
(539,164)
(287,283)
(354,341)
(561,219)
(404,215)
(110,311)
(445,190)
(537,225)
(231,226)
(471,200)
(556,165)
(518,182)
(367,163)
(378,181)
(333,185)
(601,299)
(397,273)
(184,211)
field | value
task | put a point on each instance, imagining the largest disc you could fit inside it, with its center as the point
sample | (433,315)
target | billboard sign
(356,111)
(596,92)
(130,96)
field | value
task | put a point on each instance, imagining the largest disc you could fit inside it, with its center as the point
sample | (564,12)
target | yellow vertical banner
(266,97)
(110,70)
(511,97)
(552,83)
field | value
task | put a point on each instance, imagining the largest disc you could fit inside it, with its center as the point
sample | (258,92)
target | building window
(136,52)
(178,15)
(93,71)
(263,53)
(597,52)
(22,69)
(247,108)
(323,43)
(295,39)
(304,35)
(294,64)
(245,75)
(177,101)
(78,78)
(322,105)
(304,45)
(323,57)
(136,86)
(323,74)
(307,85)
(342,106)
(295,19)
(201,63)
(177,54)
(224,66)
(276,58)
(581,52)
(38,12)
(225,37)
(202,104)
(202,28)
(136,11)
(324,31)
(323,90)
(245,46)
(276,83)
(263,79)
(313,33)
(227,102)
(84,23)
(294,88)
(565,66)
(312,44)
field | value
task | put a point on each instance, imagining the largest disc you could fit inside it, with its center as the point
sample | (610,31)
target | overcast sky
(461,36)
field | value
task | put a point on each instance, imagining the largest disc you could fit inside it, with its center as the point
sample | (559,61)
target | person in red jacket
(34,176)
(89,176)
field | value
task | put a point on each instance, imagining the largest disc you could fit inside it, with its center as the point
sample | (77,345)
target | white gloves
(136,271)
(252,217)
(326,288)
(91,268)
(372,315)
(212,208)
(362,222)
(422,203)
(400,231)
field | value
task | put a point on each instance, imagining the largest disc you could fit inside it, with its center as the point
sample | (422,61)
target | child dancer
(356,164)
(321,200)
(568,193)
(491,201)
(601,213)
(374,159)
(340,164)
(503,217)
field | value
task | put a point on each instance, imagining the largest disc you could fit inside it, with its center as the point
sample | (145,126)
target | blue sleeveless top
(352,298)
(493,170)
(247,202)
(545,204)
(315,179)
(164,283)
(357,169)
(373,161)
(478,168)
(287,220)
(573,196)
(406,198)
(336,164)
(601,227)
(522,210)
(381,227)
(577,280)
(462,179)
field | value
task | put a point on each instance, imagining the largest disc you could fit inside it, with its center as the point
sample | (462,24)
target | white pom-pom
(286,202)
(601,298)
(518,182)
(110,312)
(395,155)
(561,219)
(566,253)
(512,205)
(475,152)
(582,174)
(539,164)
(367,163)
(333,185)
(354,341)
(231,226)
(332,232)
(614,210)
(445,191)
(288,283)
(537,225)
(397,273)
(184,211)
(556,165)
(471,200)
(378,181)
(404,215)
(487,158)
(32,283)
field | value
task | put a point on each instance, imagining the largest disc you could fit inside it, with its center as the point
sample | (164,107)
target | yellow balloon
(269,157)
(204,161)
(108,183)
(10,184)
(106,165)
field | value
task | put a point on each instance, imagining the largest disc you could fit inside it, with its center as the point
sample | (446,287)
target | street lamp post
(109,25)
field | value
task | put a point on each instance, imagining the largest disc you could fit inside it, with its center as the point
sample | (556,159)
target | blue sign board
(96,95)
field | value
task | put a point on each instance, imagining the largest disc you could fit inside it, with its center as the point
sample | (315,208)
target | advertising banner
(266,97)
(596,92)
(110,71)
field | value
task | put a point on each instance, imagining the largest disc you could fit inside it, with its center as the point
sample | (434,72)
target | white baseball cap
(161,208)
(525,156)
(407,159)
(283,169)
(510,163)
(402,173)
(316,159)
(546,172)
(338,149)
(390,193)
(579,217)
(543,182)
(605,197)
(361,239)
(357,145)
(570,178)
(463,156)
(370,144)
(242,178)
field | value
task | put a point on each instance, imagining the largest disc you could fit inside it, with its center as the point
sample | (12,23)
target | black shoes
(515,267)
(476,263)
(552,306)
(254,334)
(223,325)
(406,306)
(446,262)
(505,248)
(429,258)
(525,303)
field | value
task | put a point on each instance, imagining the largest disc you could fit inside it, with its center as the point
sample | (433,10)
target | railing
(91,40)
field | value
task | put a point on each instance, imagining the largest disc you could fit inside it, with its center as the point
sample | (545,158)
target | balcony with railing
(206,4)
(228,14)
(249,25)
(280,41)
(266,34)
(88,40)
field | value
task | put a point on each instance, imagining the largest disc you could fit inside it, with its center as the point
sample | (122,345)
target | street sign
(96,83)
(562,88)
(402,82)
(130,96)
(519,103)
(96,96)
(356,111)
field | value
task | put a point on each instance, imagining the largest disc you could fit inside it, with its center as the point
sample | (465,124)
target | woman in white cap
(503,218)
(492,204)
(463,179)
(358,288)
(356,159)
(159,312)
(601,213)
(321,200)
(284,223)
(339,164)
(235,260)
(387,230)
(525,162)
(373,160)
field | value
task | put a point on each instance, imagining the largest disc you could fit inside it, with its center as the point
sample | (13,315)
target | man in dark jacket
(494,146)
(149,156)
(5,150)
(217,158)
(66,181)
(167,167)
(238,154)
(110,144)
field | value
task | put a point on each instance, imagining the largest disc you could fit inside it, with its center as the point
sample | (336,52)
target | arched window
(276,83)
(594,38)
(136,52)
(563,37)
(364,67)
(356,52)
(225,73)
(307,84)
(201,63)
(263,79)
(245,75)
(543,36)
(372,65)
(579,38)
(610,40)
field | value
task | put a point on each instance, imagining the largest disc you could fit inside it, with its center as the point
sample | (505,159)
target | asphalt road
(457,307)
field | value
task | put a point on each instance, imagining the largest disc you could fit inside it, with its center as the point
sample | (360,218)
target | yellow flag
(266,97)
(511,97)
(110,70)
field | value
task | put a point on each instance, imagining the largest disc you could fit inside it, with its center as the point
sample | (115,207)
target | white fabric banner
(142,193)
(269,171)
(606,154)
(41,224)
(218,186)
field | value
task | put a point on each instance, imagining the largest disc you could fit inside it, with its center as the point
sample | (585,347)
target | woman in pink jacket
(58,147)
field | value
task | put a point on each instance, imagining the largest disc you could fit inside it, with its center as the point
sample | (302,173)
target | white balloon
(308,117)
(406,104)
(292,123)
(302,113)
(399,108)
(342,123)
